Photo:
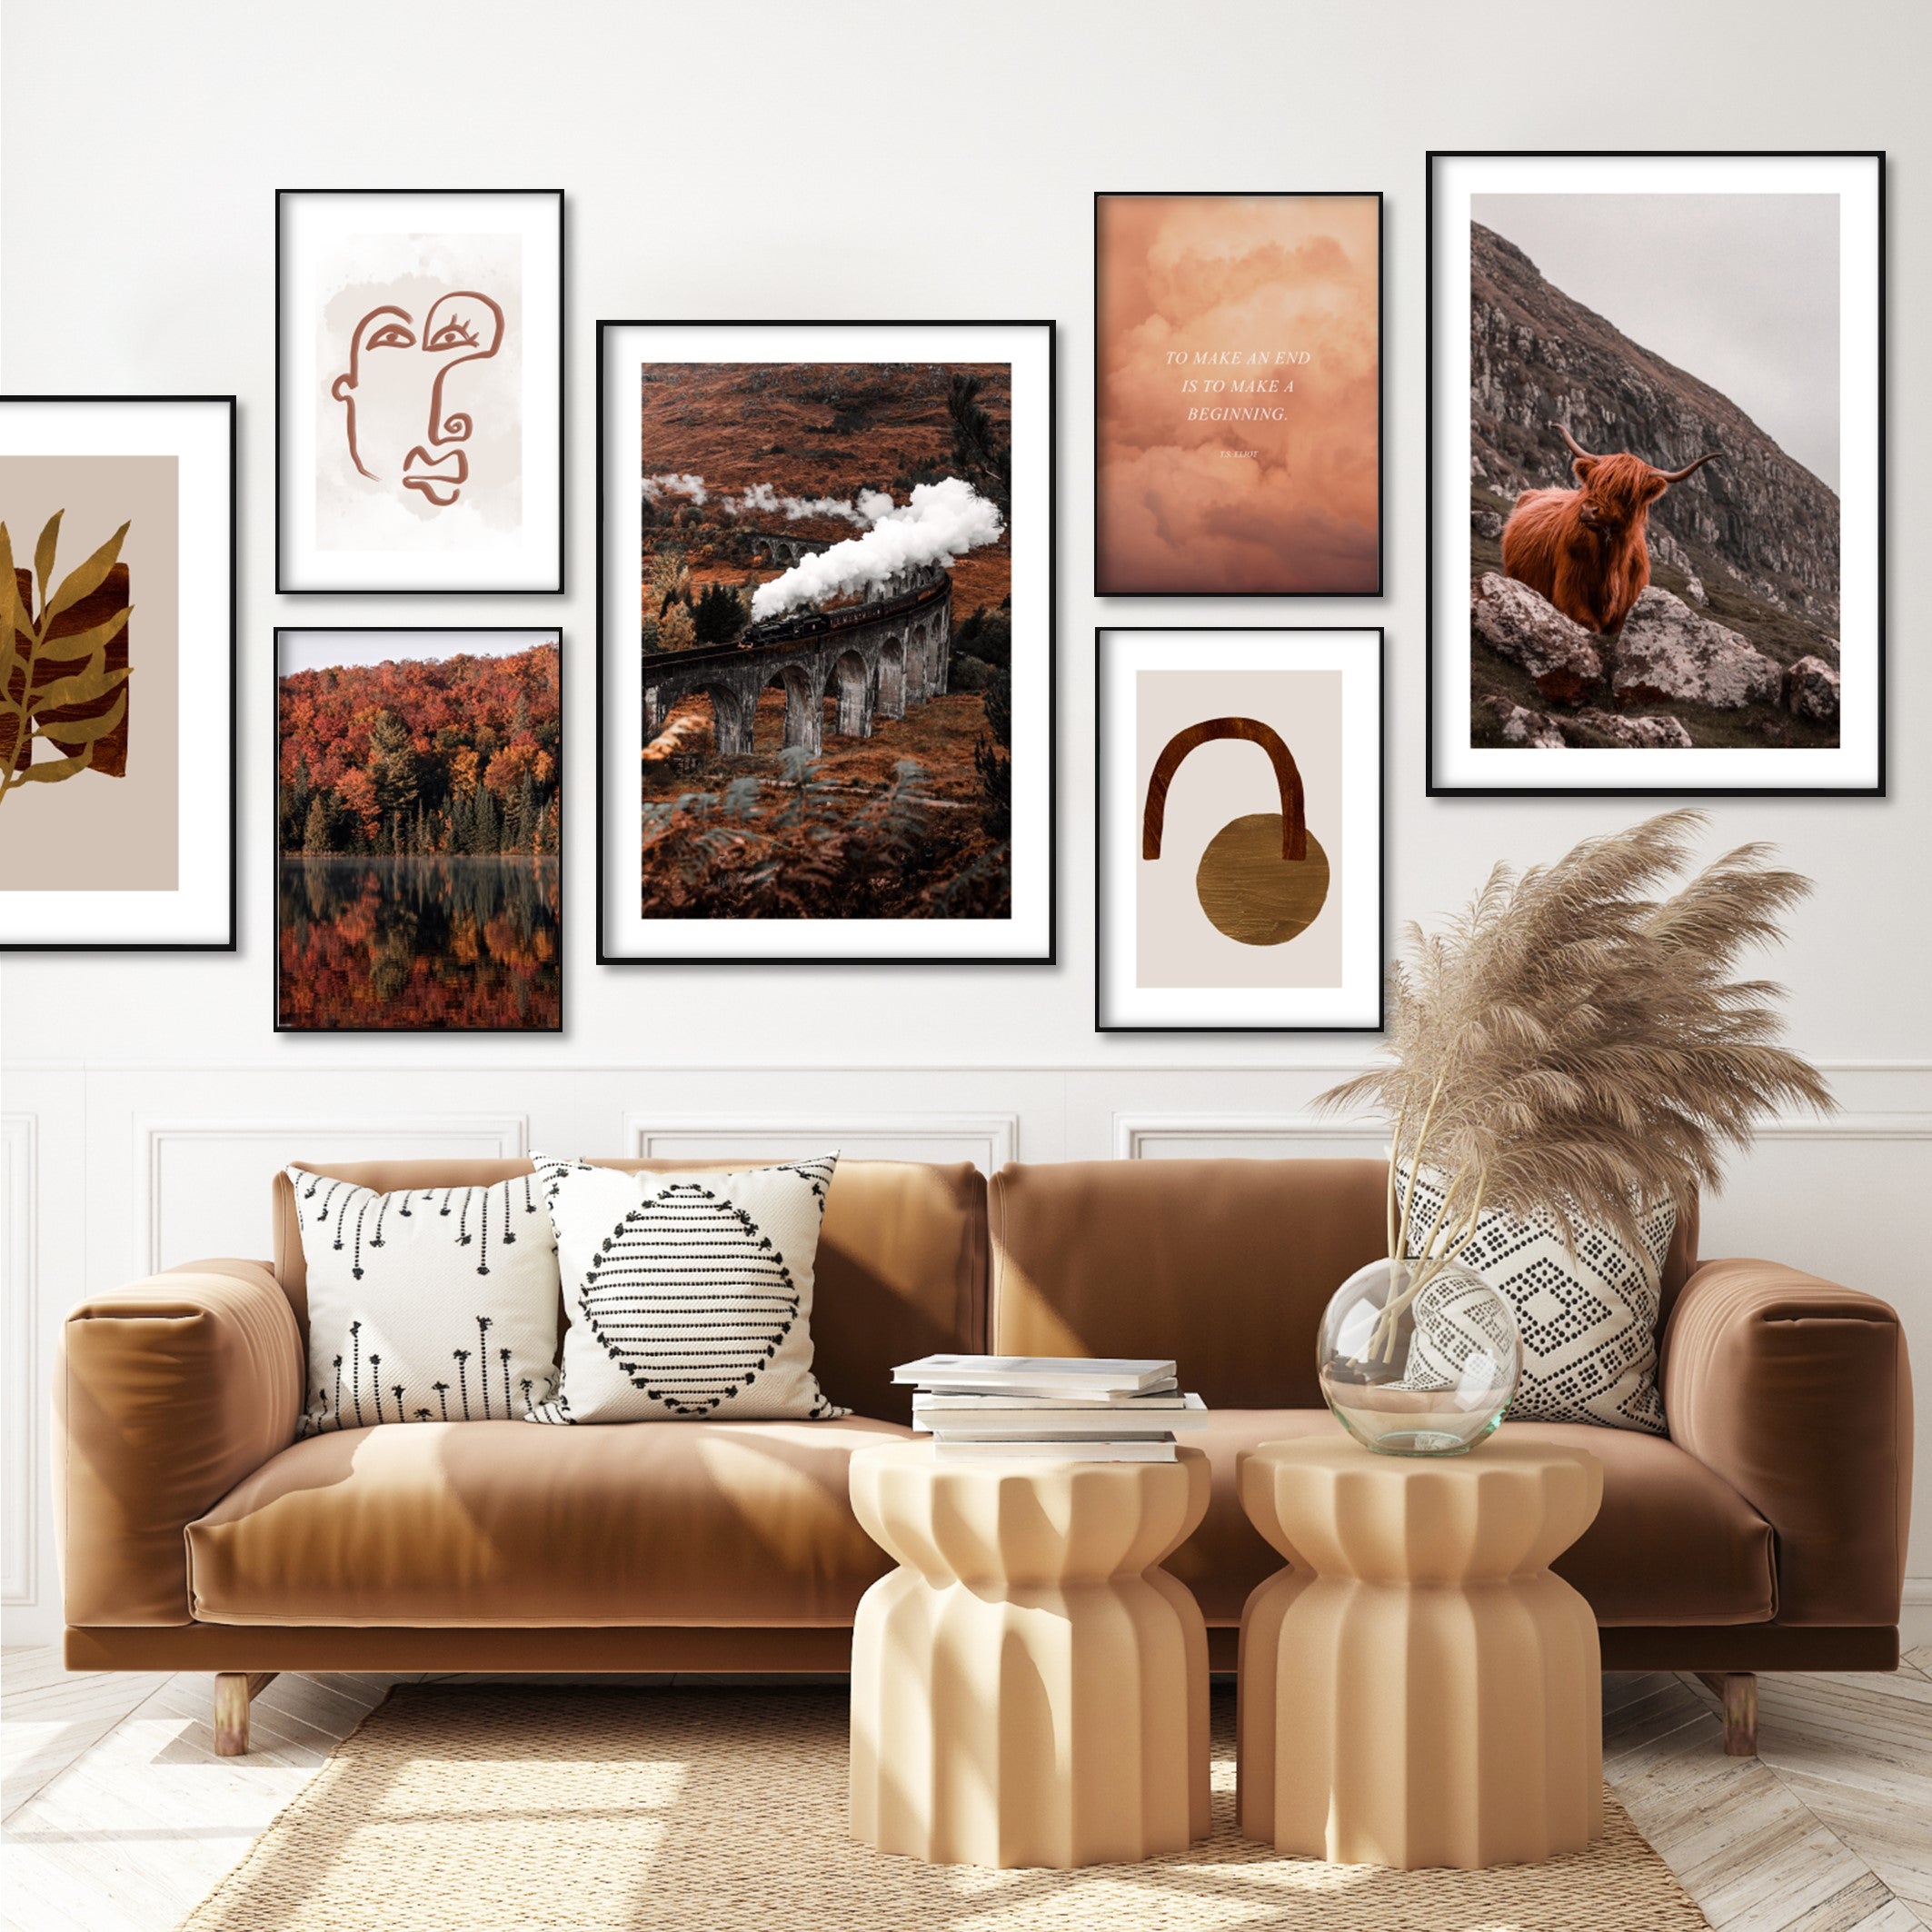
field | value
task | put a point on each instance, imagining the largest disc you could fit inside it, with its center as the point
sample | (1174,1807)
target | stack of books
(1102,1409)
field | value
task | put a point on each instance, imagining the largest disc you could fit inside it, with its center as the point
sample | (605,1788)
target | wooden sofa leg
(1737,1692)
(234,1690)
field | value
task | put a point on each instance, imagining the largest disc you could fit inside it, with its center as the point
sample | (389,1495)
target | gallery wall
(839,161)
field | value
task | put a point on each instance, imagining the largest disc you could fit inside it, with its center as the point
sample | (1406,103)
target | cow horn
(1576,448)
(1690,469)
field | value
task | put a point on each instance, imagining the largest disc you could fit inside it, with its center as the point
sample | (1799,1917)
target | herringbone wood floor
(119,1815)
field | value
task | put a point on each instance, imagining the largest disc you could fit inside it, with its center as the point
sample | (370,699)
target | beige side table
(1030,1687)
(1417,1688)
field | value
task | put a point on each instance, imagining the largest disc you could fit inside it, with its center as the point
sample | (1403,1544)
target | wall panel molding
(20,1437)
(988,1139)
(272,1141)
(1135,1134)
(1195,1134)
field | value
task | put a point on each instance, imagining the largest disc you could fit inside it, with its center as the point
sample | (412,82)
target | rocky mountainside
(1756,524)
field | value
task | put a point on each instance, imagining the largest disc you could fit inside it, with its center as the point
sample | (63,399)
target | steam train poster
(826,641)
(1655,494)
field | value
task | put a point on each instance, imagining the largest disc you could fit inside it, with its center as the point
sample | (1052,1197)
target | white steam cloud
(762,500)
(657,488)
(938,526)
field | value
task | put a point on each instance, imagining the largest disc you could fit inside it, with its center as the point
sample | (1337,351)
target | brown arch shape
(1288,780)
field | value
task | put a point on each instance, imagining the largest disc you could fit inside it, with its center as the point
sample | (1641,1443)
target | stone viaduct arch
(876,662)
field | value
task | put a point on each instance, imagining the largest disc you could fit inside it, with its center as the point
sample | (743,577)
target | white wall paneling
(173,1101)
(987,1141)
(195,1180)
(1251,1136)
(20,1366)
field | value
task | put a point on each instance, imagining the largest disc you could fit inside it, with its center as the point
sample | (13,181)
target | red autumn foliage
(393,757)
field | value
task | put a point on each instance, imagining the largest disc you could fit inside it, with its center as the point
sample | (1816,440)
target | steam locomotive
(785,630)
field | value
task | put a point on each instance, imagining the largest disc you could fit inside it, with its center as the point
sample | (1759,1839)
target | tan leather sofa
(1768,1532)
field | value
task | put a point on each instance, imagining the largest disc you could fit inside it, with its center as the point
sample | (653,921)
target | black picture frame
(284,588)
(1101,823)
(1435,785)
(229,405)
(1049,956)
(1382,390)
(536,634)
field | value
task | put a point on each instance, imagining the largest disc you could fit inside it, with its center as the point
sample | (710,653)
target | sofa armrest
(167,1393)
(1798,1392)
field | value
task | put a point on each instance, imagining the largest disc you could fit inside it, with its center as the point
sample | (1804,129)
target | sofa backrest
(901,1269)
(1225,1265)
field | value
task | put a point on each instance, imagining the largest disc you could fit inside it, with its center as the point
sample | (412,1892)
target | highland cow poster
(1655,498)
(418,831)
(116,672)
(825,665)
(1237,395)
(419,390)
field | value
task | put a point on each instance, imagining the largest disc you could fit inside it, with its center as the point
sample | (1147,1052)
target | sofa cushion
(427,1305)
(490,1523)
(688,1295)
(900,1268)
(1673,1543)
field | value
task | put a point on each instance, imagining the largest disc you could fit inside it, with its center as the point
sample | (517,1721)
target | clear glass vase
(1419,1372)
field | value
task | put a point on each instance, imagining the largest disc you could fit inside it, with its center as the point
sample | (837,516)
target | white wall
(843,160)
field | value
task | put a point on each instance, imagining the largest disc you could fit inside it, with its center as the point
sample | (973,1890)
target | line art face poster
(1238,394)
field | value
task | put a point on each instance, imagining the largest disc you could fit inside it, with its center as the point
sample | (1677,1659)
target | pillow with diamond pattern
(687,1296)
(430,1305)
(1587,1319)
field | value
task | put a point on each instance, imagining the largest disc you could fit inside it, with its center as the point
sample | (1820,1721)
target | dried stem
(1575,1043)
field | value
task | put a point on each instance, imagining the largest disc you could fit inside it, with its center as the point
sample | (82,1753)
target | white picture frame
(419,391)
(182,897)
(1025,935)
(1855,765)
(1164,964)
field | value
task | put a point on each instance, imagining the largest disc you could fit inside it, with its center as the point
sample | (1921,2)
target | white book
(1162,1395)
(1053,1452)
(1037,1374)
(1093,1423)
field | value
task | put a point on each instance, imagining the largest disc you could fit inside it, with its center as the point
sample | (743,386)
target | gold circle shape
(1250,892)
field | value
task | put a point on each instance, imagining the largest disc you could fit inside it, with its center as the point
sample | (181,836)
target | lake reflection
(419,944)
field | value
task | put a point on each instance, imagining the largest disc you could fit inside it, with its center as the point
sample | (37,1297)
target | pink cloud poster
(1238,394)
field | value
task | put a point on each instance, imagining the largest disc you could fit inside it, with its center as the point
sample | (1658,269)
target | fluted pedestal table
(1417,1688)
(1030,1687)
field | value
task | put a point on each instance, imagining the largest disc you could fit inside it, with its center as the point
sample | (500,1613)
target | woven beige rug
(502,1807)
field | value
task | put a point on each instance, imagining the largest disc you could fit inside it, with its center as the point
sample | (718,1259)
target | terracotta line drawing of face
(391,392)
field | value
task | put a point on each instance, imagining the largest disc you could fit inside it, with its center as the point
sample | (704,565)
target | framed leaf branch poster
(116,673)
(419,390)
(1237,395)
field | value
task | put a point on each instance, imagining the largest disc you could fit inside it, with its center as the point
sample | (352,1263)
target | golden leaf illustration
(81,689)
(85,730)
(48,770)
(85,581)
(44,551)
(64,671)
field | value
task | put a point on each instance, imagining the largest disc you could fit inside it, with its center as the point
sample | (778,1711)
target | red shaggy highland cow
(1584,549)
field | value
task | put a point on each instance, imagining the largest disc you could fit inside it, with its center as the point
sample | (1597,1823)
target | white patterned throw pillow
(429,1305)
(686,1295)
(1588,1320)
